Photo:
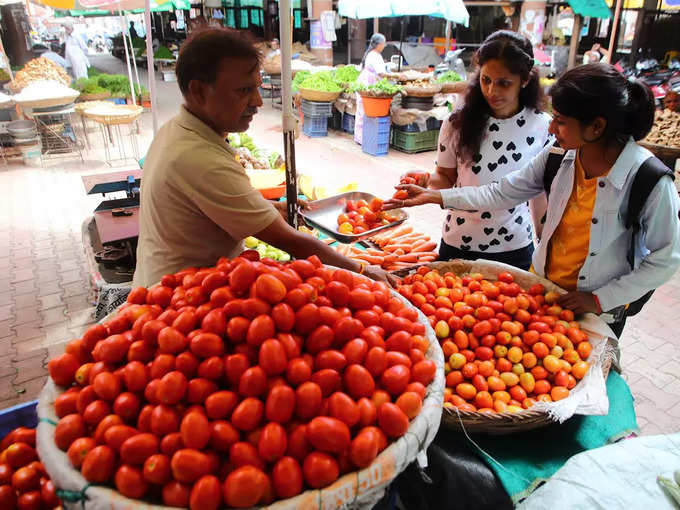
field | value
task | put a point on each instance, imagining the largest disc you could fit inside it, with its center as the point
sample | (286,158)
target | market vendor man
(197,203)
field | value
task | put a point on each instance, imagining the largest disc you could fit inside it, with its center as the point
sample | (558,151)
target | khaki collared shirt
(197,203)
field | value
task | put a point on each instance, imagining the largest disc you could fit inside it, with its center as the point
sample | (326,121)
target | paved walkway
(45,297)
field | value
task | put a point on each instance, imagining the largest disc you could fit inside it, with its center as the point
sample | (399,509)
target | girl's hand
(421,179)
(410,195)
(579,302)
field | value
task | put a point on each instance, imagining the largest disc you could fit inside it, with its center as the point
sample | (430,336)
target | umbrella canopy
(112,6)
(451,10)
(168,5)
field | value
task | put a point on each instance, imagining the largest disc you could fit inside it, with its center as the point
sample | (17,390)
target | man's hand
(379,274)
(579,302)
(282,206)
(415,195)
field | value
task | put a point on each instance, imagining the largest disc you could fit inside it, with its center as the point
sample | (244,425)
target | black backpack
(649,173)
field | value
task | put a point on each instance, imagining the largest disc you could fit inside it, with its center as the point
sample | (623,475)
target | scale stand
(117,151)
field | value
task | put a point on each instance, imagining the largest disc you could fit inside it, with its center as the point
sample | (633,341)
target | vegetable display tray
(323,215)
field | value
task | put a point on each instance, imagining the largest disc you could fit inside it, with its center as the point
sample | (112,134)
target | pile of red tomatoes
(241,384)
(24,484)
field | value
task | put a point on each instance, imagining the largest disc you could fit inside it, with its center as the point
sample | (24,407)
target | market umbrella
(451,10)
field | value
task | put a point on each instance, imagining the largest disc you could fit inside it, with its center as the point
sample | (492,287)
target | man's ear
(197,91)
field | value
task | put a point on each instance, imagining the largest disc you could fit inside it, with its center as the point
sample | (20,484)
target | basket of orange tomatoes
(514,359)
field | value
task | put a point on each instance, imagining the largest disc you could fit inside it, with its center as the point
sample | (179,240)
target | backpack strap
(552,166)
(647,176)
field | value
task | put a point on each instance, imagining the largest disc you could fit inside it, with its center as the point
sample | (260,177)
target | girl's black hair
(516,53)
(600,90)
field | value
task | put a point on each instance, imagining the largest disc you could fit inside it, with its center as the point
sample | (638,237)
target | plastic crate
(317,109)
(433,123)
(335,122)
(376,136)
(22,415)
(415,142)
(348,123)
(315,127)
(430,124)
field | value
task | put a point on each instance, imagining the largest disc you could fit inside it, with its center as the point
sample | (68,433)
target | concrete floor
(45,297)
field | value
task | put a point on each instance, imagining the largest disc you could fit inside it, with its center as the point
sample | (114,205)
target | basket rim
(489,423)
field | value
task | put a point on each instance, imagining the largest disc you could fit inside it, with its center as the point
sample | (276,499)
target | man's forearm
(302,245)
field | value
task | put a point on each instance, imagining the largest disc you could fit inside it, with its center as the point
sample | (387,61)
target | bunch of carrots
(399,248)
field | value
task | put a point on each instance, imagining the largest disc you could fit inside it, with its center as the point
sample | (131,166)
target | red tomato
(163,420)
(273,442)
(235,366)
(29,501)
(308,398)
(222,435)
(245,487)
(298,371)
(206,494)
(395,379)
(364,448)
(176,494)
(248,414)
(261,328)
(195,430)
(328,380)
(359,382)
(130,482)
(98,465)
(287,478)
(392,420)
(8,497)
(68,429)
(328,434)
(342,407)
(368,413)
(48,493)
(272,357)
(63,369)
(171,388)
(138,448)
(307,318)
(280,404)
(320,470)
(26,479)
(253,382)
(188,465)
(157,469)
(269,288)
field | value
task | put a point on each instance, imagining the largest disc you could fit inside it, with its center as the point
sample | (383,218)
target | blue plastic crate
(116,100)
(315,127)
(21,415)
(376,136)
(348,123)
(335,121)
(379,125)
(317,108)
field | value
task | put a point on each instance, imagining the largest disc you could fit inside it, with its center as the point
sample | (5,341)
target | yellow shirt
(569,244)
(197,203)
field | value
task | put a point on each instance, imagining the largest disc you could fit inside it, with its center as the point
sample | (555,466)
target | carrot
(370,258)
(399,251)
(391,258)
(396,232)
(400,265)
(425,247)
(429,258)
(394,247)
(423,254)
(408,257)
(373,251)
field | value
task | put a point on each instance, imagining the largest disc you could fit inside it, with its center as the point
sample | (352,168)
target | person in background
(197,203)
(587,246)
(133,31)
(497,130)
(274,49)
(53,54)
(75,54)
(372,70)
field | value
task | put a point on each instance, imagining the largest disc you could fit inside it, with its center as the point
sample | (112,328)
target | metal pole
(612,41)
(349,42)
(375,25)
(134,61)
(127,57)
(448,37)
(149,61)
(289,122)
(575,38)
(401,41)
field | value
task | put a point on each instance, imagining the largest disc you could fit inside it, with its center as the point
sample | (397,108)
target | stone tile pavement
(46,300)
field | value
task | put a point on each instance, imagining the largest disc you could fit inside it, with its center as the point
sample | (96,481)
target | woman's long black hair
(517,55)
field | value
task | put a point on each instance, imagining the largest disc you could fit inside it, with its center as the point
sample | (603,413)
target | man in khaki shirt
(197,203)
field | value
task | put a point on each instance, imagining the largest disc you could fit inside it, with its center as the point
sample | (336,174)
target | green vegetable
(92,71)
(117,84)
(138,42)
(163,52)
(382,87)
(4,75)
(300,76)
(238,140)
(89,86)
(449,76)
(322,81)
(265,250)
(672,489)
(346,74)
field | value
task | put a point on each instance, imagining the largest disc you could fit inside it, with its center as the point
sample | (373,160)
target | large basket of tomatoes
(250,383)
(514,359)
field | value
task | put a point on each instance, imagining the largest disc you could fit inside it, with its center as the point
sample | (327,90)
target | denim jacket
(606,271)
